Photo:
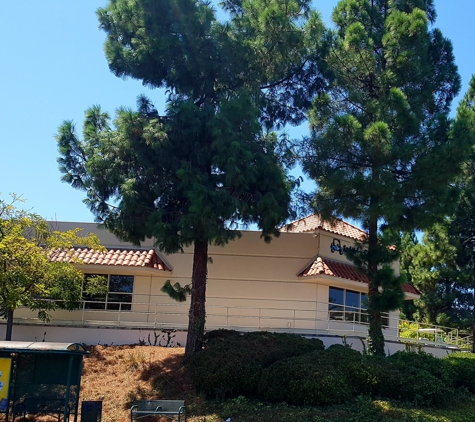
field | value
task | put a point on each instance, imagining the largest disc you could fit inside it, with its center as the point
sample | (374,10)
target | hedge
(231,365)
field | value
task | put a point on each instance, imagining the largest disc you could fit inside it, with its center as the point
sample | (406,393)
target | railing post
(155,316)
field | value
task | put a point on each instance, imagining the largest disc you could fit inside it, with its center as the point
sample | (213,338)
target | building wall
(251,285)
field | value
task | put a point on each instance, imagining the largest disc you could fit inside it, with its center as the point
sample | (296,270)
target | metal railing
(309,318)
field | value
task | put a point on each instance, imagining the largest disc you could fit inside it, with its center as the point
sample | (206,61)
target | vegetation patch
(231,365)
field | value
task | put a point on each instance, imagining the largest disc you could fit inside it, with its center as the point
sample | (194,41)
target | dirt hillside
(117,375)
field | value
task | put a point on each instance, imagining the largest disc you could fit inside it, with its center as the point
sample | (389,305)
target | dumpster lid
(41,346)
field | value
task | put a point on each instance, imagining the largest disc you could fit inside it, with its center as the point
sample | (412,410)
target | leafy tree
(462,227)
(193,175)
(442,267)
(27,276)
(432,266)
(379,134)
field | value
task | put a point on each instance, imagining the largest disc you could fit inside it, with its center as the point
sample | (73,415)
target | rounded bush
(221,333)
(304,380)
(231,365)
(427,362)
(320,378)
(462,366)
(418,378)
(353,365)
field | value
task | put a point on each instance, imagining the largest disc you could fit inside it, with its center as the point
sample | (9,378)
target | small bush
(462,365)
(304,380)
(418,378)
(354,367)
(221,333)
(231,365)
(426,362)
(320,378)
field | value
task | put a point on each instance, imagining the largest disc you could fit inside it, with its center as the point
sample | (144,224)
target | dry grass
(117,375)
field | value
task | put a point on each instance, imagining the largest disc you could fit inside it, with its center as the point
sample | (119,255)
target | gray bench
(173,409)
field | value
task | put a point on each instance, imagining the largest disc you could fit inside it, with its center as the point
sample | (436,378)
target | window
(118,296)
(348,305)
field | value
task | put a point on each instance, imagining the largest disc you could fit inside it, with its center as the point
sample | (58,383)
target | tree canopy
(380,132)
(432,267)
(27,276)
(195,174)
(442,266)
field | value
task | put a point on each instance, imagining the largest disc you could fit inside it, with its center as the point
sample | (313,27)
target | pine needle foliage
(381,132)
(195,174)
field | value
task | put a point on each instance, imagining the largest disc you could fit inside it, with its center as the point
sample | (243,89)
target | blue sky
(53,68)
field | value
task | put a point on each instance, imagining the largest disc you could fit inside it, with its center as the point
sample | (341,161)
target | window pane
(116,301)
(336,296)
(351,315)
(335,303)
(364,304)
(121,283)
(352,299)
(120,294)
(94,302)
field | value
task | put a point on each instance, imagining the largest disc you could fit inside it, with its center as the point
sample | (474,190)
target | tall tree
(442,266)
(462,227)
(381,132)
(27,276)
(432,266)
(193,175)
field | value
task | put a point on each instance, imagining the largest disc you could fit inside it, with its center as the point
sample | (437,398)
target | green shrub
(426,362)
(418,378)
(221,333)
(324,377)
(304,380)
(231,365)
(354,367)
(462,366)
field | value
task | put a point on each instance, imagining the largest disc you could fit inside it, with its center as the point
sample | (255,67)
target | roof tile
(112,257)
(341,270)
(314,222)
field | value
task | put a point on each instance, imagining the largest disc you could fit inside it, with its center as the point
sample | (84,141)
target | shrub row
(231,364)
(339,373)
(295,370)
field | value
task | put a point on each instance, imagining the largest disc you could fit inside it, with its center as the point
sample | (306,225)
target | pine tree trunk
(197,315)
(8,335)
(375,331)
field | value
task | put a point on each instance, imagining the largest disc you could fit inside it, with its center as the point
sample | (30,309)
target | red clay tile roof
(314,222)
(112,257)
(333,268)
(346,271)
(409,288)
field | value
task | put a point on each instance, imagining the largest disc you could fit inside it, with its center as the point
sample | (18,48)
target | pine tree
(195,174)
(432,266)
(462,227)
(381,132)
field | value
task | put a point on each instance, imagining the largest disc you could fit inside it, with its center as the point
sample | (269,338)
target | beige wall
(251,284)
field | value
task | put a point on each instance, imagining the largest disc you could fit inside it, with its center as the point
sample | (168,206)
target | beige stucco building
(301,282)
